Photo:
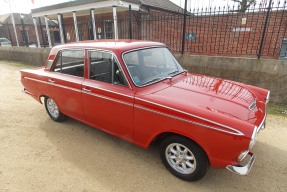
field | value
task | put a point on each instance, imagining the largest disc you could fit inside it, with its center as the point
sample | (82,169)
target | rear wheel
(53,110)
(184,158)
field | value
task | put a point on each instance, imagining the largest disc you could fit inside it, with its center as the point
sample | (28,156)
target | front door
(107,98)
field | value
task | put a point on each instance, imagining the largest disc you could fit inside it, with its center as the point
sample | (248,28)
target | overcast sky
(25,6)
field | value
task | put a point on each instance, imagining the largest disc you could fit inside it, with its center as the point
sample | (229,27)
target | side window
(70,62)
(103,67)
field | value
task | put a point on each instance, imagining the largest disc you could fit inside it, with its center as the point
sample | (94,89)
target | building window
(46,36)
(57,37)
(2,32)
(25,36)
(108,27)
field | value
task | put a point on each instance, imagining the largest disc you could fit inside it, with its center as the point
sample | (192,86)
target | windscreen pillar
(48,31)
(61,29)
(115,22)
(93,23)
(76,26)
(36,30)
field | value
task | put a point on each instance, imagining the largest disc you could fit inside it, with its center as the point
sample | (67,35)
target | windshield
(147,66)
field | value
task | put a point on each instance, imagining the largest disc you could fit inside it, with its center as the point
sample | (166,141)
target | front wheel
(184,158)
(53,110)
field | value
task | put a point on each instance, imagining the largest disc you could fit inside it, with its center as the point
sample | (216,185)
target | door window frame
(115,59)
(59,53)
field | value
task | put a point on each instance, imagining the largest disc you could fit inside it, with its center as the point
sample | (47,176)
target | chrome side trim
(242,170)
(109,91)
(108,98)
(65,87)
(62,86)
(35,80)
(235,132)
(53,78)
(78,90)
(179,111)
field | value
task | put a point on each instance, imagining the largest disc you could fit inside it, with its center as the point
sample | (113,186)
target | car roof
(121,45)
(4,39)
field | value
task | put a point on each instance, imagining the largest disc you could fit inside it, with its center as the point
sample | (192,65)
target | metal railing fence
(255,32)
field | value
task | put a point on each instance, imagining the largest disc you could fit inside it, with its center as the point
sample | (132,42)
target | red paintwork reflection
(222,88)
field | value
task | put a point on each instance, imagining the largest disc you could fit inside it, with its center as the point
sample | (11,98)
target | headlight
(253,138)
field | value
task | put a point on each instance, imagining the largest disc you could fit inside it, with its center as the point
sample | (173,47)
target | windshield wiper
(173,73)
(152,80)
(156,79)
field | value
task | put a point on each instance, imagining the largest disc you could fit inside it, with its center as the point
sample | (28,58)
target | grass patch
(277,109)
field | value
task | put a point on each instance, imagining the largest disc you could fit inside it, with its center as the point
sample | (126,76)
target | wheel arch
(41,97)
(161,136)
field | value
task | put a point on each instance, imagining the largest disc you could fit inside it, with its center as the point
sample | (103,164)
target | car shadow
(121,166)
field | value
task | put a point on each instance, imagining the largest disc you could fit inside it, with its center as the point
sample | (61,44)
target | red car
(136,90)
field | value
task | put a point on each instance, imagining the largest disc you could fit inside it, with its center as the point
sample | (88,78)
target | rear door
(107,97)
(65,82)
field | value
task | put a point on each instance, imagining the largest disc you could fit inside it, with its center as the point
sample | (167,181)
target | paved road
(37,154)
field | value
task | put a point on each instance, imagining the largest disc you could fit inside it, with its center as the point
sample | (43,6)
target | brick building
(228,34)
(26,30)
(222,32)
(102,19)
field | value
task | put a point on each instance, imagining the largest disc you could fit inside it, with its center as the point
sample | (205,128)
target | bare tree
(244,4)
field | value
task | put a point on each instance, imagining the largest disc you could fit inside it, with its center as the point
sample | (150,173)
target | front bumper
(242,170)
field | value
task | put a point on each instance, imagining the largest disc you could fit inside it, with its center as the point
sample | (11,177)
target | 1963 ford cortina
(137,91)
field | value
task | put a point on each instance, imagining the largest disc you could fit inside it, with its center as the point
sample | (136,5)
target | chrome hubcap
(52,108)
(180,158)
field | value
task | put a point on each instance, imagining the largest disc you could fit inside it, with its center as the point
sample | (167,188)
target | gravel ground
(37,154)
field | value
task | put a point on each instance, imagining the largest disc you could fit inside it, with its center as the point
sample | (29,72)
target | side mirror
(120,77)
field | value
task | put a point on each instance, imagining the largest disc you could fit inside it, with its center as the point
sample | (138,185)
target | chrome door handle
(51,81)
(86,90)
